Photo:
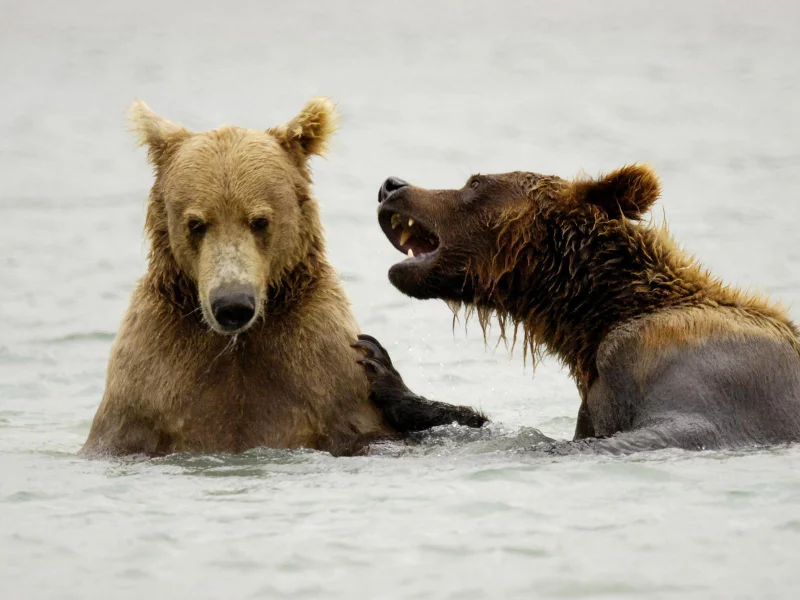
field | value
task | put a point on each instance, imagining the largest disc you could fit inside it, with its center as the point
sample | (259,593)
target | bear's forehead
(528,181)
(231,147)
(231,162)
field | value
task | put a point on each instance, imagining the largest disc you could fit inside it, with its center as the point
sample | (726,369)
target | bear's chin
(411,277)
(419,278)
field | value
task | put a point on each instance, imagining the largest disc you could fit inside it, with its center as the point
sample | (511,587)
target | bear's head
(231,212)
(461,243)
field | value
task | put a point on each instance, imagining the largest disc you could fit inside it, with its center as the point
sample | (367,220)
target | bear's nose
(390,186)
(233,308)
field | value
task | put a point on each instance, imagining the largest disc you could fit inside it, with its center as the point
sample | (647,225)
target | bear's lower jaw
(217,329)
(419,278)
(411,277)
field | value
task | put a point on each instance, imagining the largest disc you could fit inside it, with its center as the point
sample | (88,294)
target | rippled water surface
(707,92)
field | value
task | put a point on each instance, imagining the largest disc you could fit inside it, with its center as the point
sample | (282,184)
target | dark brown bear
(663,353)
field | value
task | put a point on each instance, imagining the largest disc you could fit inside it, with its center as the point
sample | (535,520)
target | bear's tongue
(413,239)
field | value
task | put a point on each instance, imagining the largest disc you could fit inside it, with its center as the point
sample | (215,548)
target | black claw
(368,338)
(372,365)
(369,347)
(374,350)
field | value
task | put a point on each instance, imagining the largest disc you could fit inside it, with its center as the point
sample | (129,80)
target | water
(707,92)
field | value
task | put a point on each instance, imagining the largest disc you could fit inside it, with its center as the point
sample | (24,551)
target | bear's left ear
(310,131)
(629,191)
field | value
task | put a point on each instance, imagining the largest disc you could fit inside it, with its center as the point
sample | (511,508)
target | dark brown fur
(572,266)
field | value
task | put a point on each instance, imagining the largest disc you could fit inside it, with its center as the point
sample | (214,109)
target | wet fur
(289,381)
(593,274)
(662,352)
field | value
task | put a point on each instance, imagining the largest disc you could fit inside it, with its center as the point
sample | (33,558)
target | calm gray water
(707,92)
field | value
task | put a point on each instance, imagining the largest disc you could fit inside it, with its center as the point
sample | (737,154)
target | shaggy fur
(230,210)
(291,379)
(595,266)
(614,299)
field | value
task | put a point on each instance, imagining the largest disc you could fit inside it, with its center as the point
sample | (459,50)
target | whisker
(231,343)
(191,312)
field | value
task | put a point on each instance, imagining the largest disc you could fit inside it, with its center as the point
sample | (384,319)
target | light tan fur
(290,378)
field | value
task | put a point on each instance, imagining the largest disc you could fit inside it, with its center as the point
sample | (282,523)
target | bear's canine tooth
(410,222)
(410,253)
(395,221)
(404,237)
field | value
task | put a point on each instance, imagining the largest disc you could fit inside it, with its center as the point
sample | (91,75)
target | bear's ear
(159,135)
(310,131)
(629,191)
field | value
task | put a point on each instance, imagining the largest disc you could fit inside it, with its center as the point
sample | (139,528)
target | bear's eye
(259,225)
(197,227)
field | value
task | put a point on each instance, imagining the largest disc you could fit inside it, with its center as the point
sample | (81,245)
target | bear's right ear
(309,131)
(627,192)
(160,136)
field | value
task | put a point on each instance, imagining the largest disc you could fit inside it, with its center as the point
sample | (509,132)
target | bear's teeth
(396,221)
(410,253)
(404,237)
(411,222)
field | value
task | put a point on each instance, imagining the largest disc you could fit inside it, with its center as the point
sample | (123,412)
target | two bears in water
(240,334)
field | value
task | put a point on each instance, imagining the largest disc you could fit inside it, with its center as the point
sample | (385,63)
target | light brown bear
(240,334)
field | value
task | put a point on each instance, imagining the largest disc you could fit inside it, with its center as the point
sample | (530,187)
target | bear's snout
(390,186)
(233,307)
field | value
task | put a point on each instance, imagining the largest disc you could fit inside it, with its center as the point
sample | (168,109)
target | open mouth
(409,236)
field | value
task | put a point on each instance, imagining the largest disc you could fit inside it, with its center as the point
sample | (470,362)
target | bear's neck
(582,278)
